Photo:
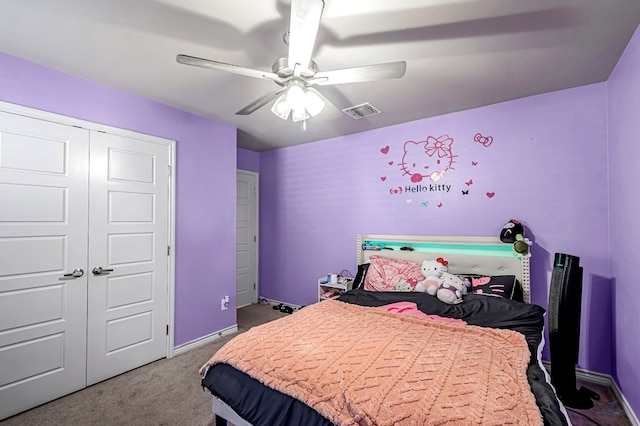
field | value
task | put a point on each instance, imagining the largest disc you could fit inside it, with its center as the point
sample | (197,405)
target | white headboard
(466,255)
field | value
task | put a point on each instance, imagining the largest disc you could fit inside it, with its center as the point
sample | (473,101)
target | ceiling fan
(296,74)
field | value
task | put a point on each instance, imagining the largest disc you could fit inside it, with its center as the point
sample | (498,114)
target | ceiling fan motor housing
(283,70)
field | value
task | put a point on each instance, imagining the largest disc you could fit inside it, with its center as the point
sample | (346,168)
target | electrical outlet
(224,303)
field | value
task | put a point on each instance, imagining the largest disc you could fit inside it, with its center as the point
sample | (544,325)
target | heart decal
(391,163)
(385,150)
(383,178)
(490,194)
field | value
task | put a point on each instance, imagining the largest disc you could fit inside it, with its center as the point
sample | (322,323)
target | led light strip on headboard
(466,255)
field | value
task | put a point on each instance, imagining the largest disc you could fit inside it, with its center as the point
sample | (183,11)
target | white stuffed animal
(451,289)
(432,271)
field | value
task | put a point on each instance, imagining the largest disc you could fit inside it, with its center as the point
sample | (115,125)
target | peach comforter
(363,366)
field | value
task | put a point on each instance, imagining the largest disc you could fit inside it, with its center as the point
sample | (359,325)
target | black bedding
(261,405)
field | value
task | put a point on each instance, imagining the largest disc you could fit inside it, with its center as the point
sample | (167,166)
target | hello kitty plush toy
(451,289)
(432,271)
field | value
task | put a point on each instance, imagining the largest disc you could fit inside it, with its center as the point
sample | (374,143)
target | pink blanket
(410,308)
(363,366)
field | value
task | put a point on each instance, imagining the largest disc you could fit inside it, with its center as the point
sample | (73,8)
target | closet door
(128,258)
(43,253)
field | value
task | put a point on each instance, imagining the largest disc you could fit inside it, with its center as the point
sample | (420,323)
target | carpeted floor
(165,392)
(605,411)
(168,392)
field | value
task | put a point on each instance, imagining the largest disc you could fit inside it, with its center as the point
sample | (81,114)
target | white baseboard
(204,340)
(605,380)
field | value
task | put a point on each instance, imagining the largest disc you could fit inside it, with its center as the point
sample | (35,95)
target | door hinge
(254,286)
(168,250)
(168,170)
(167,329)
(254,239)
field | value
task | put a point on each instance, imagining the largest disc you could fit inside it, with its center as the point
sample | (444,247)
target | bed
(356,360)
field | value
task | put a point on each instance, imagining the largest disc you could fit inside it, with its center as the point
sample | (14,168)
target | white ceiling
(460,54)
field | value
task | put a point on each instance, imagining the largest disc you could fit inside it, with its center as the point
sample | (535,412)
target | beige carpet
(165,392)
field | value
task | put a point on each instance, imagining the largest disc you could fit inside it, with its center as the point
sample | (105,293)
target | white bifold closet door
(83,258)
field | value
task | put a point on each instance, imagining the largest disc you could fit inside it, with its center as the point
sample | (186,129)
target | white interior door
(43,236)
(246,237)
(128,239)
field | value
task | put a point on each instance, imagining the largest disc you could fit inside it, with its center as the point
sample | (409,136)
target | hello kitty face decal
(427,159)
(424,169)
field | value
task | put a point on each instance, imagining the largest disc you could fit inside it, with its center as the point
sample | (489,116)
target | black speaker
(565,302)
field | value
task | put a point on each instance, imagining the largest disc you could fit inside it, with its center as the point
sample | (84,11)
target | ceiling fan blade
(221,66)
(372,72)
(261,101)
(303,29)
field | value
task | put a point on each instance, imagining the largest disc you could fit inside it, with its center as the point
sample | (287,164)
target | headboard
(466,255)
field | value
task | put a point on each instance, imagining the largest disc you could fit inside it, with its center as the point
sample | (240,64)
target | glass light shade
(299,113)
(295,95)
(281,107)
(313,102)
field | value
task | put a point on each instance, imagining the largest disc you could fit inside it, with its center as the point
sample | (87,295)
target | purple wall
(205,195)
(546,165)
(623,89)
(248,160)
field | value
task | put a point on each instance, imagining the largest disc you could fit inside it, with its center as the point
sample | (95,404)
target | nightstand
(327,290)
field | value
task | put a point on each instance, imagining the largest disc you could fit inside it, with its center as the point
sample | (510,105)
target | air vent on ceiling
(361,111)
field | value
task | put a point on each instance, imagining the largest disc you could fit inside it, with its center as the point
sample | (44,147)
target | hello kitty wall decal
(423,167)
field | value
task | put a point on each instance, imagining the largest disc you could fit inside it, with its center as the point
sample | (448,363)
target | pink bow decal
(484,140)
(442,261)
(439,146)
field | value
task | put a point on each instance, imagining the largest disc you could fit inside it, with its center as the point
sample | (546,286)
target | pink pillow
(383,273)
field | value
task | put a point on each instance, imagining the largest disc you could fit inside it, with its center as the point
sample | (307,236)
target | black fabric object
(358,281)
(257,403)
(509,284)
(262,406)
(545,397)
(510,230)
(476,309)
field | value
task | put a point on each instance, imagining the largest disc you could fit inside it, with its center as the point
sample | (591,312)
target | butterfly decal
(465,192)
(474,163)
(469,183)
(424,203)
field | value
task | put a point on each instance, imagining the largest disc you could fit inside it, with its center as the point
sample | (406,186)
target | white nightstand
(327,290)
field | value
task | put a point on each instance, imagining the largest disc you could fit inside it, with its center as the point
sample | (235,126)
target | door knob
(98,270)
(75,274)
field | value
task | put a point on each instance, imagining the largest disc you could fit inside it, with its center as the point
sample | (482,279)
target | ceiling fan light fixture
(299,113)
(281,107)
(299,102)
(313,103)
(295,95)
